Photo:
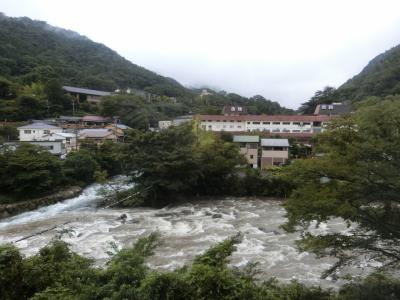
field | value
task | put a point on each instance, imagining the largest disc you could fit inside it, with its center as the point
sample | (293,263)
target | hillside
(381,77)
(33,50)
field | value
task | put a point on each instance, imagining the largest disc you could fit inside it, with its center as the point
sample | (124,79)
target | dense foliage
(29,170)
(355,177)
(35,51)
(58,273)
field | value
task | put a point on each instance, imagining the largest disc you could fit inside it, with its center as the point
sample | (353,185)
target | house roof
(78,90)
(69,118)
(65,134)
(95,133)
(275,142)
(39,125)
(93,118)
(246,138)
(293,118)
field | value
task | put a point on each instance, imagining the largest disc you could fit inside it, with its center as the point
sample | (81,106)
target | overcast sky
(284,50)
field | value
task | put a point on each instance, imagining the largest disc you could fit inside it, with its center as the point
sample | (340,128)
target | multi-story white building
(310,124)
(36,131)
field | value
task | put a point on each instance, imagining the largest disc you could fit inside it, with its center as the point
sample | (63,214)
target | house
(333,109)
(82,94)
(205,92)
(69,122)
(36,131)
(234,110)
(68,139)
(97,135)
(55,147)
(275,152)
(248,145)
(119,130)
(93,121)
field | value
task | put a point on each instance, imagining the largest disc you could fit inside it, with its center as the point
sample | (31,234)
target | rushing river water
(186,231)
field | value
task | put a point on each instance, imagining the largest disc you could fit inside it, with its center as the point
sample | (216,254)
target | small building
(82,94)
(275,152)
(234,110)
(248,145)
(119,130)
(97,135)
(93,121)
(55,147)
(205,92)
(69,122)
(67,138)
(182,119)
(36,131)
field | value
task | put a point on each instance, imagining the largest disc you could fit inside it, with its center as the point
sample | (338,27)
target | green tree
(11,273)
(355,177)
(29,170)
(80,167)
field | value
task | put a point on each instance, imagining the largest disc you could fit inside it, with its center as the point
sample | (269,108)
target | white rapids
(186,230)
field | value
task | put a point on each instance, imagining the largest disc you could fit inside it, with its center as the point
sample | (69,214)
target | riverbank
(9,210)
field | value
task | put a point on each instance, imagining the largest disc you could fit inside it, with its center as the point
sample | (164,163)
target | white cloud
(284,50)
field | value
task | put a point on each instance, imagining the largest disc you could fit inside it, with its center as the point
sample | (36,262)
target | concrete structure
(36,131)
(274,124)
(248,145)
(275,152)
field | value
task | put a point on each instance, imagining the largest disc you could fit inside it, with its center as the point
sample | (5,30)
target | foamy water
(186,230)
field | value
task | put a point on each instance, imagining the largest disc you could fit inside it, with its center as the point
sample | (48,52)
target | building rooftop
(246,138)
(95,133)
(93,118)
(275,142)
(332,109)
(39,125)
(69,118)
(78,90)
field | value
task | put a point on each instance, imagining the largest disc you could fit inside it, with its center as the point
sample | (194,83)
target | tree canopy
(356,177)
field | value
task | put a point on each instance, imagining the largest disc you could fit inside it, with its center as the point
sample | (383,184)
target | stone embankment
(8,210)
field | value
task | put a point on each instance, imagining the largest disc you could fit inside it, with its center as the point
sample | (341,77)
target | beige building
(248,147)
(97,136)
(275,152)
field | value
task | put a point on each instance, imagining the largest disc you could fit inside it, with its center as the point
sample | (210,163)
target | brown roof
(92,118)
(293,118)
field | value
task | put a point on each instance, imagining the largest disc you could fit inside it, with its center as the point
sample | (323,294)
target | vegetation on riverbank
(58,273)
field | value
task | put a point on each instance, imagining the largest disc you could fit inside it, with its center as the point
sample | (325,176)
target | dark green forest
(32,53)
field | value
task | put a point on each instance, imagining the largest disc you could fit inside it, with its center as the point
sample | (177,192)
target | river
(186,230)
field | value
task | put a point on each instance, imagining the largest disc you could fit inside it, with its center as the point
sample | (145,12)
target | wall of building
(26,135)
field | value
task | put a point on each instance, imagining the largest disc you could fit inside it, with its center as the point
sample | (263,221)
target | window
(27,131)
(256,123)
(266,123)
(209,126)
(296,130)
(231,126)
(248,122)
(323,106)
(276,130)
(46,131)
(330,107)
(232,121)
(209,121)
(296,123)
(276,123)
(218,121)
(285,130)
(239,127)
(286,123)
(239,108)
(251,156)
(306,123)
(232,108)
(224,121)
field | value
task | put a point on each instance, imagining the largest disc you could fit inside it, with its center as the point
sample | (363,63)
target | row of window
(265,123)
(33,131)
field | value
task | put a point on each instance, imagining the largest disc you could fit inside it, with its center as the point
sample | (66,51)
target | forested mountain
(36,59)
(381,77)
(35,51)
